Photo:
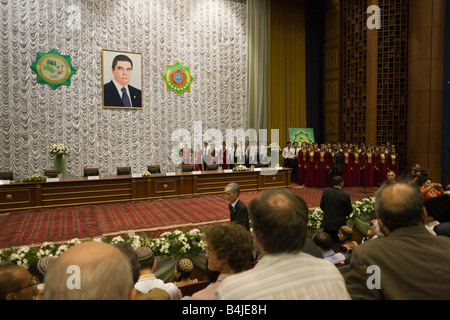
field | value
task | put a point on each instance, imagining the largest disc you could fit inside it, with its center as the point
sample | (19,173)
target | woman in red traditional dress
(382,166)
(198,158)
(346,171)
(186,154)
(224,156)
(321,179)
(329,154)
(212,155)
(310,173)
(355,167)
(301,160)
(392,160)
(369,171)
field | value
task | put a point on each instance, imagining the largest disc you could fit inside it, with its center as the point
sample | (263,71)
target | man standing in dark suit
(337,206)
(118,92)
(338,158)
(238,209)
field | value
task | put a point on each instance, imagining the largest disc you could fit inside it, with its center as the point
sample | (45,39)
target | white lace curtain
(208,36)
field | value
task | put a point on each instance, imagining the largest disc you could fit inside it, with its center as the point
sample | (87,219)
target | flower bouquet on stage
(59,150)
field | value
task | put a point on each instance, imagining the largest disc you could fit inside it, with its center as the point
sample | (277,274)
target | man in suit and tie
(238,209)
(337,206)
(118,92)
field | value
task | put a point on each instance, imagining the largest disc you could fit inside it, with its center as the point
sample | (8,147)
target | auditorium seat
(154,169)
(52,173)
(210,167)
(6,175)
(190,289)
(91,172)
(188,167)
(123,171)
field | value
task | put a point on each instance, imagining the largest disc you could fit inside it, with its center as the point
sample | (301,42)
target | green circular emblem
(178,78)
(53,68)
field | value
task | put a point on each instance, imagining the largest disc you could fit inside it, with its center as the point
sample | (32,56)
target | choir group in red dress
(313,166)
(359,165)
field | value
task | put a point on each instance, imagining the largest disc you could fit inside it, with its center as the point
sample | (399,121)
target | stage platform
(66,192)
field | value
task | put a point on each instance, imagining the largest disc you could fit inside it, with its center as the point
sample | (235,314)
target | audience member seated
(148,280)
(442,229)
(409,263)
(279,220)
(430,222)
(374,231)
(311,248)
(211,275)
(38,268)
(229,251)
(439,209)
(153,294)
(92,263)
(16,283)
(183,272)
(324,242)
(131,254)
(345,235)
(430,189)
(415,176)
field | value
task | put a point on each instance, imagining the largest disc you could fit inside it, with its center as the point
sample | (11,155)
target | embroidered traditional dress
(346,172)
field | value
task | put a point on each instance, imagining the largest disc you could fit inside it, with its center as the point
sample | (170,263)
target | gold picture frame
(122,79)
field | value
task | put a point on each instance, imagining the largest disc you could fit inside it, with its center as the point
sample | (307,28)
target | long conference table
(64,192)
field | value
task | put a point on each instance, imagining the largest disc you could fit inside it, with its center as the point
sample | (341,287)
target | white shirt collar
(119,89)
(234,203)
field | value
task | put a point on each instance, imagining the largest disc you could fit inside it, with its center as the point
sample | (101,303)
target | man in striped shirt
(279,220)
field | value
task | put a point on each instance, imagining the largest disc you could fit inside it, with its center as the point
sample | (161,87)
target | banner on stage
(301,135)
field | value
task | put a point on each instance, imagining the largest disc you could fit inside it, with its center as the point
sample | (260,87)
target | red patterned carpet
(152,217)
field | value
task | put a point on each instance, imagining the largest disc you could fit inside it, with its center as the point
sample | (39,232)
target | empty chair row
(120,170)
(191,167)
(8,175)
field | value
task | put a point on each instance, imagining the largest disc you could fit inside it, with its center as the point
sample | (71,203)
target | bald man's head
(90,271)
(399,205)
(279,219)
(16,283)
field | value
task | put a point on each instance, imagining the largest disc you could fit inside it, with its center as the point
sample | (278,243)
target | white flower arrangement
(172,243)
(35,178)
(59,148)
(362,209)
(146,173)
(240,168)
